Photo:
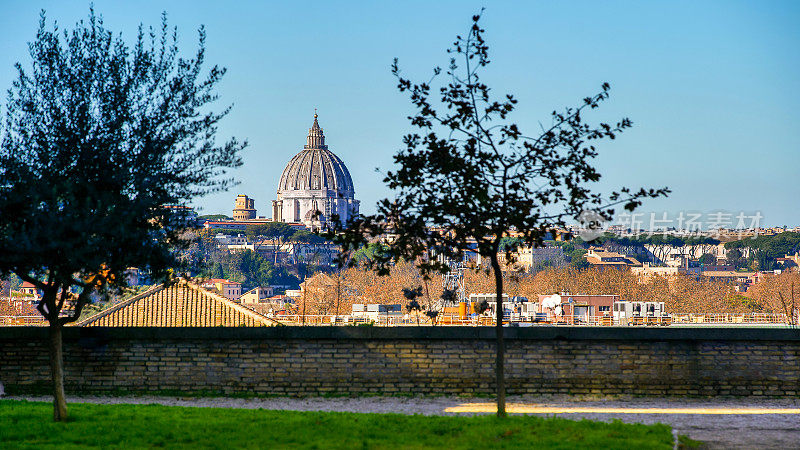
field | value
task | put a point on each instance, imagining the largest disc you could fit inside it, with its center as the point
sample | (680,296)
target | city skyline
(710,88)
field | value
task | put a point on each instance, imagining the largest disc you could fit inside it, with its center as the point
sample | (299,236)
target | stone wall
(440,360)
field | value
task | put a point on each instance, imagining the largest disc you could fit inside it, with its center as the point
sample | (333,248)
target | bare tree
(468,177)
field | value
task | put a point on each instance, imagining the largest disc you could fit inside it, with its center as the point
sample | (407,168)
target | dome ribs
(316,164)
(315,174)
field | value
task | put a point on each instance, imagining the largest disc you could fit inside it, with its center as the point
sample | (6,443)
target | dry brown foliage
(681,294)
(367,287)
(766,295)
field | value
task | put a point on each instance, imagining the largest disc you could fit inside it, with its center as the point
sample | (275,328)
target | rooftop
(182,304)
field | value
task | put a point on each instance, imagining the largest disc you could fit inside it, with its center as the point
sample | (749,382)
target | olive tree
(101,141)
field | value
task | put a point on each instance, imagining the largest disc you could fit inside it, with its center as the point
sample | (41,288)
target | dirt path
(722,423)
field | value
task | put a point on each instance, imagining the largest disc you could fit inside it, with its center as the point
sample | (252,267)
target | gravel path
(733,424)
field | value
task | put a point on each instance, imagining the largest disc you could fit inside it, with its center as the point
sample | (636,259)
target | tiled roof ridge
(119,306)
(188,284)
(180,289)
(244,310)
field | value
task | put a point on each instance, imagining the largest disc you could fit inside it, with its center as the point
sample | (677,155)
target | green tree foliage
(98,137)
(249,268)
(252,269)
(276,233)
(510,244)
(577,259)
(659,245)
(708,259)
(270,230)
(366,254)
(735,258)
(762,259)
(764,250)
(701,240)
(306,237)
(468,176)
(213,217)
(282,277)
(218,271)
(567,246)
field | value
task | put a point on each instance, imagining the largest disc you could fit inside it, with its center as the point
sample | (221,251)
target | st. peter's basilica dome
(315,180)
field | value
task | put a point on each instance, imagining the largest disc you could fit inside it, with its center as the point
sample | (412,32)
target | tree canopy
(213,217)
(776,246)
(468,176)
(100,141)
(248,268)
(270,230)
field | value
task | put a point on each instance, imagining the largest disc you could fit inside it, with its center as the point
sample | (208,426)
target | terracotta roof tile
(182,304)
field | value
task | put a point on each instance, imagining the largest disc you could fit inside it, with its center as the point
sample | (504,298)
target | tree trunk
(338,291)
(499,368)
(304,301)
(57,372)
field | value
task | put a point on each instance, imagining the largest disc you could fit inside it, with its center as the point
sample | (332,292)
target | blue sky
(713,88)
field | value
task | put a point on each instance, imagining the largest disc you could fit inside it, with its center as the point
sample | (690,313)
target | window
(604,308)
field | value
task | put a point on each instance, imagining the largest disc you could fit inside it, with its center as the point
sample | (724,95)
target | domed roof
(316,168)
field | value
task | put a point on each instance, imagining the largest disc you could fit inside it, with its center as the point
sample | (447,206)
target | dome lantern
(315,139)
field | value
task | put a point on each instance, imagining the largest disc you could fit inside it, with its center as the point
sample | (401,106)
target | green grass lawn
(29,425)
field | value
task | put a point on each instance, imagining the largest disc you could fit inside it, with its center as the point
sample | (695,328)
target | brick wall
(441,360)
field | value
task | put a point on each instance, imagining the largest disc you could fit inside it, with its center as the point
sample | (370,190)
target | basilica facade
(314,186)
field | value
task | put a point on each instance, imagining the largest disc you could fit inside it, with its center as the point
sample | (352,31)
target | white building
(315,185)
(227,239)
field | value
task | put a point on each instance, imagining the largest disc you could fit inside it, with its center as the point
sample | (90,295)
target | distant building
(715,267)
(315,185)
(491,299)
(322,294)
(241,225)
(257,295)
(322,253)
(244,208)
(224,240)
(790,260)
(229,289)
(581,307)
(598,257)
(647,271)
(181,216)
(376,311)
(294,294)
(30,289)
(729,275)
(320,284)
(226,225)
(527,257)
(273,306)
